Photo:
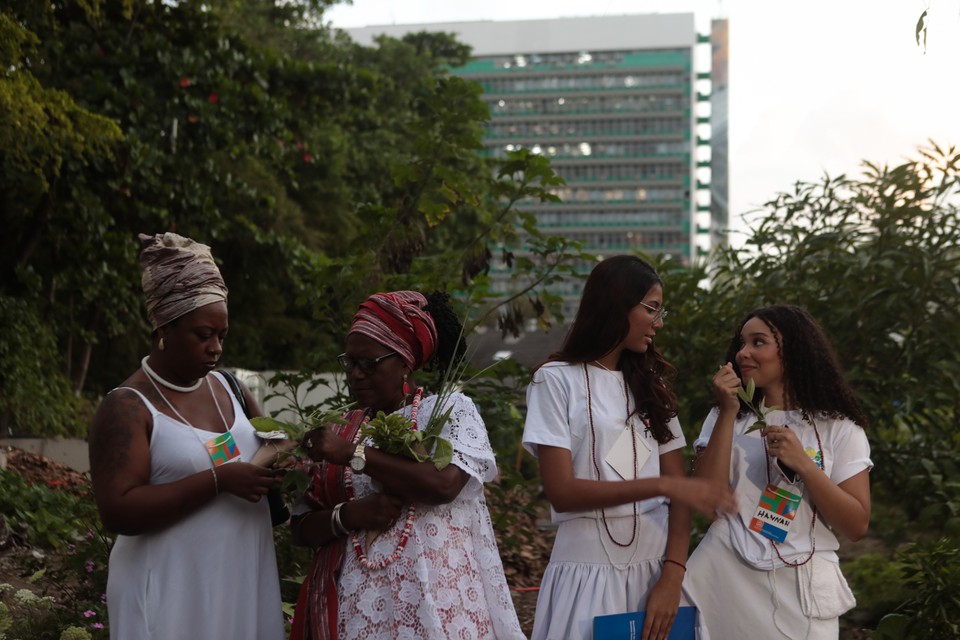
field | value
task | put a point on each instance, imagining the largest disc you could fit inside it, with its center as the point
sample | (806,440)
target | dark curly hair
(812,376)
(451,345)
(615,286)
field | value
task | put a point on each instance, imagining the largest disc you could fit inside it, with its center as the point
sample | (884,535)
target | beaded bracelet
(676,562)
(216,483)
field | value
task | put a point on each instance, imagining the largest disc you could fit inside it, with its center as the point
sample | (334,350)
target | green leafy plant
(761,411)
(397,434)
(296,479)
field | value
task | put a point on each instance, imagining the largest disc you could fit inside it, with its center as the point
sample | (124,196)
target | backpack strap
(237,390)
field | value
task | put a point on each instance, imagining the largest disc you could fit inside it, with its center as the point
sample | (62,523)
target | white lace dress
(448,582)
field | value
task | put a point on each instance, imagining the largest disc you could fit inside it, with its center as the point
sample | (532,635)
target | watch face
(357,463)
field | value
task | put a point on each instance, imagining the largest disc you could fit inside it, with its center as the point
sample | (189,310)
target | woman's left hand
(662,605)
(323,444)
(783,444)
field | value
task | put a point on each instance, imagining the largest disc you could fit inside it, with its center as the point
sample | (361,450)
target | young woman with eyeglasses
(601,419)
(771,570)
(434,570)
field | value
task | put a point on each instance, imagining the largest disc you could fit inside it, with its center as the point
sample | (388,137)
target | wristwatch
(359,460)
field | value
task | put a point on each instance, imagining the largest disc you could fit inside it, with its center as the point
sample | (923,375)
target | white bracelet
(216,483)
(335,524)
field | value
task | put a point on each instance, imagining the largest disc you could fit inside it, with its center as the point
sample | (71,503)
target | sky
(815,87)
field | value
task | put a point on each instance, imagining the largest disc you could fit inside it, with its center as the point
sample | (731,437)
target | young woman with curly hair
(771,571)
(623,520)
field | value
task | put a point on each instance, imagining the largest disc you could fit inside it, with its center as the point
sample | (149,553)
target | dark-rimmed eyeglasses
(367,365)
(659,313)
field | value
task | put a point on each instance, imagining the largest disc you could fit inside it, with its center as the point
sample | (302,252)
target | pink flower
(97,625)
(89,566)
(89,614)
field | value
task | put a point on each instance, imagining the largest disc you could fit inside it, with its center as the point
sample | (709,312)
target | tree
(318,171)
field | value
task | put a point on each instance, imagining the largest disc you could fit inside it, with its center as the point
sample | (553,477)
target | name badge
(620,456)
(222,449)
(775,513)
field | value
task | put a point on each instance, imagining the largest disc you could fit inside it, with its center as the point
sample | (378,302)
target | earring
(161,345)
(406,386)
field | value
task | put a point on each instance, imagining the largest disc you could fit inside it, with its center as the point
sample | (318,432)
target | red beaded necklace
(813,522)
(596,466)
(365,562)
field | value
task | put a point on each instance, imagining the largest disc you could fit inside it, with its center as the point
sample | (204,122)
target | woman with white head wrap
(170,453)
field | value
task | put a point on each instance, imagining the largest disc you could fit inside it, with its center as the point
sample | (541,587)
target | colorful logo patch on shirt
(222,449)
(775,513)
(815,455)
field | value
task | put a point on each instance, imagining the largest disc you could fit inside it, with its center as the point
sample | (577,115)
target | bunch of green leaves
(760,411)
(398,435)
(296,478)
(297,431)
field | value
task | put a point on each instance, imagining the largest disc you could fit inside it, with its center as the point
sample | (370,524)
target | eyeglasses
(367,365)
(659,313)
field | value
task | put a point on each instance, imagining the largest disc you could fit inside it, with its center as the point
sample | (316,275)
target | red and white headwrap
(399,322)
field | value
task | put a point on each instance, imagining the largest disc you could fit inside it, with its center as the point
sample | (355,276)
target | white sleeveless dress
(212,574)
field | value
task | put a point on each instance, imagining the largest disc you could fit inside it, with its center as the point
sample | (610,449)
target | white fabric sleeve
(707,429)
(852,451)
(465,430)
(678,442)
(547,422)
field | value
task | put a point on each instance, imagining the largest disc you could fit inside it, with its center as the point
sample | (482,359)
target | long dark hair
(812,376)
(615,286)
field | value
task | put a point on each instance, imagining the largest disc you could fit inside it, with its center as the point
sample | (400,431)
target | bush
(36,398)
(67,562)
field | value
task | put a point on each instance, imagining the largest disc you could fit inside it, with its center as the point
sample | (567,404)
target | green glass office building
(630,109)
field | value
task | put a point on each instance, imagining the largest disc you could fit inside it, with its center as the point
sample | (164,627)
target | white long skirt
(738,601)
(589,575)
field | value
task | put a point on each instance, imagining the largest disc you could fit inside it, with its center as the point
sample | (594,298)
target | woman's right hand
(248,481)
(725,386)
(376,512)
(701,495)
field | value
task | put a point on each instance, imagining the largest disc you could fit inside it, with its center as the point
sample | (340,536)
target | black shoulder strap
(237,391)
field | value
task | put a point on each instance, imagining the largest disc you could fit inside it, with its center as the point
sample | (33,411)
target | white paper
(620,456)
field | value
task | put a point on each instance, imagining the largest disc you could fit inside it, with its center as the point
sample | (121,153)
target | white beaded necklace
(180,415)
(154,376)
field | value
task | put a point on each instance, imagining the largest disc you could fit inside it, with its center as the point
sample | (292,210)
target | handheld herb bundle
(271,428)
(761,411)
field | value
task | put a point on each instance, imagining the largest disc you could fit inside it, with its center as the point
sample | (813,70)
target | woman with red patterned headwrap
(433,569)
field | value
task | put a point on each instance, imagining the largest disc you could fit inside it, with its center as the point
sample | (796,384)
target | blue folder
(629,626)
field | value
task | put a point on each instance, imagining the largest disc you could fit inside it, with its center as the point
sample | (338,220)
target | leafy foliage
(68,566)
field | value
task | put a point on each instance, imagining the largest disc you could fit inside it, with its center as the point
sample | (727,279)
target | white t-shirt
(558,416)
(845,453)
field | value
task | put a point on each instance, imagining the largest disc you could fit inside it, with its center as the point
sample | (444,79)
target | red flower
(184,82)
(213,98)
(308,158)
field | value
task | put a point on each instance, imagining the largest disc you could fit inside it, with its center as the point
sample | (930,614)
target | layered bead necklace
(596,466)
(813,521)
(365,562)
